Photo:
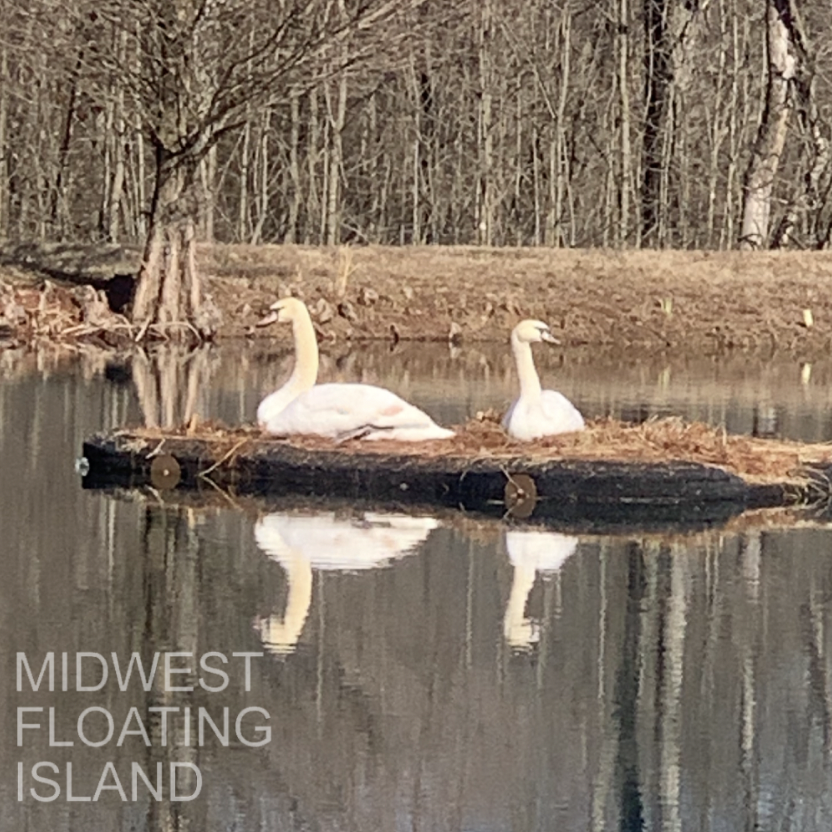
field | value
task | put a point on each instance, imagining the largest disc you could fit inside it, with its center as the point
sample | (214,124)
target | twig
(142,330)
(204,474)
(228,498)
(157,450)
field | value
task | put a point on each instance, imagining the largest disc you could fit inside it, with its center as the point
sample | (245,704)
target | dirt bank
(692,302)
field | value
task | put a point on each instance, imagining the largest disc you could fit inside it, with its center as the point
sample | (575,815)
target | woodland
(683,124)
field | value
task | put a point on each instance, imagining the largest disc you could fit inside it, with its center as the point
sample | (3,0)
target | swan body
(537,412)
(543,552)
(301,544)
(330,542)
(337,411)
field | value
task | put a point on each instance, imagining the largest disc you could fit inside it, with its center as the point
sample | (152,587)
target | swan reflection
(530,552)
(303,543)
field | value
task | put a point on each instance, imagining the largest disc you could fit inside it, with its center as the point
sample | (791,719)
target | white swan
(301,543)
(338,411)
(536,412)
(531,552)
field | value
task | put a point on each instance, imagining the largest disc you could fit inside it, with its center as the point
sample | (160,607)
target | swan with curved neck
(328,542)
(336,410)
(531,553)
(537,412)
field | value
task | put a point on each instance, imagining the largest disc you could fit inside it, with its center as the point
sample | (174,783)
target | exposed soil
(646,301)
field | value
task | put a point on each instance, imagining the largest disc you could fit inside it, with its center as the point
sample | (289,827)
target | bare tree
(806,200)
(577,123)
(669,56)
(774,125)
(202,64)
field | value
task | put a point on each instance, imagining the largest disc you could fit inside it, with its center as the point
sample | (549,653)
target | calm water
(416,673)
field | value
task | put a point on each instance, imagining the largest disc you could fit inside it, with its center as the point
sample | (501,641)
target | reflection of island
(530,552)
(303,543)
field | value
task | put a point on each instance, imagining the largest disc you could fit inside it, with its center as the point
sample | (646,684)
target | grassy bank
(674,301)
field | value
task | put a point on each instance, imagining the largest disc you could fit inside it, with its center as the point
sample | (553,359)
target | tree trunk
(657,80)
(312,235)
(336,111)
(559,161)
(622,42)
(292,234)
(726,234)
(771,137)
(4,162)
(208,177)
(242,206)
(59,199)
(262,197)
(806,201)
(485,139)
(170,298)
(669,56)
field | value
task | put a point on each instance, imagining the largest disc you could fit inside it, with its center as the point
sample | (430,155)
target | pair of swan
(302,544)
(343,411)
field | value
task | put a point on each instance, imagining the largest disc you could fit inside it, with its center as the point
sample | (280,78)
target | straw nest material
(755,459)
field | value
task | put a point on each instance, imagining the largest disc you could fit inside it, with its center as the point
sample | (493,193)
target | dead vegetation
(32,314)
(664,440)
(689,302)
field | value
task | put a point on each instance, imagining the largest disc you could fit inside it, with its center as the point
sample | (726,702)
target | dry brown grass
(654,441)
(692,301)
(687,301)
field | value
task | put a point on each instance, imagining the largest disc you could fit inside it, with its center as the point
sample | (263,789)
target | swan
(531,552)
(536,412)
(301,544)
(337,410)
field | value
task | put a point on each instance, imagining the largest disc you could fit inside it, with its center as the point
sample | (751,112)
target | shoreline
(683,302)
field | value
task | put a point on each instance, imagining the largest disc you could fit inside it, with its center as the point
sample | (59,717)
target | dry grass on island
(756,460)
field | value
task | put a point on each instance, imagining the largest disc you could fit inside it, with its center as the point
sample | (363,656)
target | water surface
(430,672)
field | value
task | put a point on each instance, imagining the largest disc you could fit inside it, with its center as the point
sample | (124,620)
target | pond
(390,671)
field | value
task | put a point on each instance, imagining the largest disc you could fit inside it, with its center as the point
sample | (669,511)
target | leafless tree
(771,137)
(667,123)
(201,68)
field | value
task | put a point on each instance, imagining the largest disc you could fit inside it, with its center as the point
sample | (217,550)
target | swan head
(284,310)
(532,332)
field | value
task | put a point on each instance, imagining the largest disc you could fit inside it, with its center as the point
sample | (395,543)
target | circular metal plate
(165,472)
(520,495)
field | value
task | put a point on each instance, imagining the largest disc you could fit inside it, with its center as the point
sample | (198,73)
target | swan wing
(560,413)
(343,410)
(549,415)
(269,410)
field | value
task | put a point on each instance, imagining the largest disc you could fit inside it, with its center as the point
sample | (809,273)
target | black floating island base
(660,471)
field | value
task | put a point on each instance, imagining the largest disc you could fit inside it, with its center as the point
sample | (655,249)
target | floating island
(662,469)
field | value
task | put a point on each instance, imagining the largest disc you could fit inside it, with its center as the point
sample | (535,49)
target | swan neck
(282,635)
(305,373)
(515,624)
(529,379)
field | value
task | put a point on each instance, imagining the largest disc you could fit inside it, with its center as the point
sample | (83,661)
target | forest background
(623,124)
